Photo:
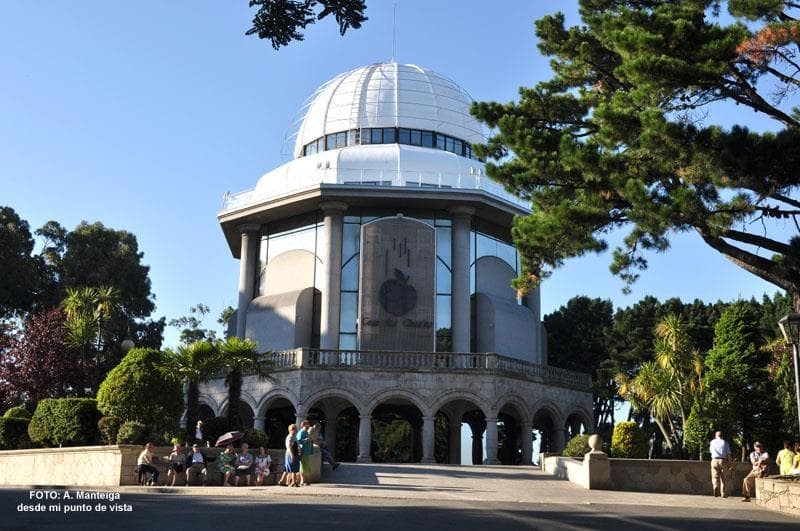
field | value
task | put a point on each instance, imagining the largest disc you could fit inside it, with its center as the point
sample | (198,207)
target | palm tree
(87,309)
(241,356)
(665,388)
(192,364)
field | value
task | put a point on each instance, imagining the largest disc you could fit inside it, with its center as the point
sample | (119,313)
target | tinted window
(416,138)
(427,139)
(388,135)
(377,136)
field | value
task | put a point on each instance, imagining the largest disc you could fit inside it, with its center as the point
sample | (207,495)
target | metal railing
(427,361)
(281,184)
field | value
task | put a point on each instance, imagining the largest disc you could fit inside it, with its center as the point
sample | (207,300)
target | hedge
(578,446)
(109,427)
(13,432)
(65,422)
(628,441)
(131,432)
(18,412)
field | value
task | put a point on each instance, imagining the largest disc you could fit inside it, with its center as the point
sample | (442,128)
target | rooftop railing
(479,363)
(279,185)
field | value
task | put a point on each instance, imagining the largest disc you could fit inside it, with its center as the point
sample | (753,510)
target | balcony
(446,362)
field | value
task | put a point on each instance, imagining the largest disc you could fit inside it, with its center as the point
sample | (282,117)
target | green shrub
(131,432)
(577,446)
(65,422)
(256,438)
(12,430)
(17,412)
(628,441)
(109,427)
(214,427)
(136,390)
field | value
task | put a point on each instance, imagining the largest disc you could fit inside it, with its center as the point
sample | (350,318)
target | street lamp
(790,326)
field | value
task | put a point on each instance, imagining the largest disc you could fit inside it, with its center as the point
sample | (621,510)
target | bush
(256,438)
(136,390)
(628,441)
(214,427)
(17,412)
(109,427)
(578,446)
(131,432)
(65,422)
(12,431)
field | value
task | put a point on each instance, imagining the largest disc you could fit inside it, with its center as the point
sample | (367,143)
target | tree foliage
(22,272)
(241,357)
(36,363)
(628,441)
(136,390)
(280,21)
(65,422)
(618,137)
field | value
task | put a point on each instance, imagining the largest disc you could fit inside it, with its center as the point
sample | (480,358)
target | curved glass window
(390,135)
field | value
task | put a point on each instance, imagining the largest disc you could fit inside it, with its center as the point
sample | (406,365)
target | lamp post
(790,326)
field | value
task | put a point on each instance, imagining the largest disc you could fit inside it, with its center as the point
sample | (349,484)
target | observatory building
(375,270)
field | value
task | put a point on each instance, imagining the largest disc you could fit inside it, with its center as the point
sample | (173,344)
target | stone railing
(426,361)
(281,184)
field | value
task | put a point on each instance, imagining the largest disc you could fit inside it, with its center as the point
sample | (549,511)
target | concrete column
(455,443)
(330,435)
(331,278)
(527,443)
(533,303)
(364,439)
(428,439)
(459,301)
(559,440)
(491,442)
(247,274)
(300,414)
(258,424)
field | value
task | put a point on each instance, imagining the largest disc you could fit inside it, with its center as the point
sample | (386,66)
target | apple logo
(396,296)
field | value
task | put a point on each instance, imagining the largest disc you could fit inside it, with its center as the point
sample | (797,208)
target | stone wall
(649,475)
(779,495)
(108,466)
(670,476)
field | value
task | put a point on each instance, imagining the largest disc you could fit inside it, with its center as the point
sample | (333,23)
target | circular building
(376,271)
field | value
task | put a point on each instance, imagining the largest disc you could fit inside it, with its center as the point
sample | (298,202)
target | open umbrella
(229,437)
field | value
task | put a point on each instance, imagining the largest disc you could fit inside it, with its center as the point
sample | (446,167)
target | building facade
(376,268)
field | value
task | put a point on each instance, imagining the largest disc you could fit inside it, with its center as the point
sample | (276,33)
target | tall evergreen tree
(619,138)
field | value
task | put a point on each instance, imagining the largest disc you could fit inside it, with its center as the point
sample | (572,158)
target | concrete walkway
(527,485)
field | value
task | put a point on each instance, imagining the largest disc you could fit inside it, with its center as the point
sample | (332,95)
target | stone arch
(273,394)
(518,403)
(335,392)
(576,417)
(388,394)
(513,446)
(548,421)
(450,396)
(210,402)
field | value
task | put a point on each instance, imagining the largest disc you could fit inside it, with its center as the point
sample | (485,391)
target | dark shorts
(291,464)
(177,467)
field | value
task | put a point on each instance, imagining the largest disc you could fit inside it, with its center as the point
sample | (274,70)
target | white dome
(389,95)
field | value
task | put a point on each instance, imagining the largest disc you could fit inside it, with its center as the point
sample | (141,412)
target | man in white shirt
(759,459)
(720,465)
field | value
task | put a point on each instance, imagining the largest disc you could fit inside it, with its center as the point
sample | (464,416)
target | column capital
(428,418)
(461,210)
(365,417)
(248,227)
(333,207)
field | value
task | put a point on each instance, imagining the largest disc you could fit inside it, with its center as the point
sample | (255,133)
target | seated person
(245,464)
(227,464)
(263,463)
(196,463)
(145,463)
(177,463)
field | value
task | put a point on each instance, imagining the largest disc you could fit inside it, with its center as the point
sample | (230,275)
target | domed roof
(388,95)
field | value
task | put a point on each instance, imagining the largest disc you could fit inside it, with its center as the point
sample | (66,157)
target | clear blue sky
(142,115)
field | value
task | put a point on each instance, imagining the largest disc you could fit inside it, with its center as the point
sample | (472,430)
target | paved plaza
(361,496)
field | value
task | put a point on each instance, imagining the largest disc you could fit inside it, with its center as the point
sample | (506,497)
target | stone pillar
(533,303)
(559,442)
(527,443)
(364,439)
(300,415)
(455,443)
(258,424)
(460,300)
(330,435)
(491,442)
(247,274)
(428,439)
(331,278)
